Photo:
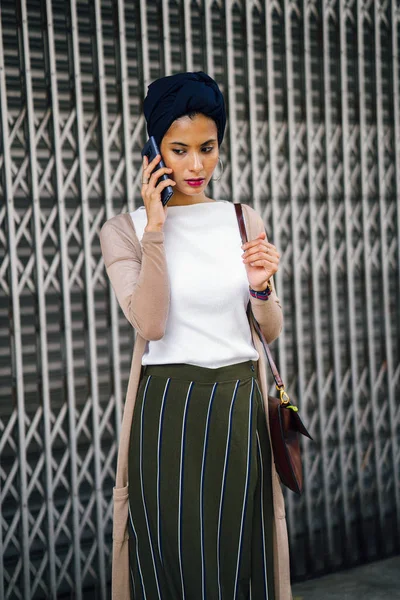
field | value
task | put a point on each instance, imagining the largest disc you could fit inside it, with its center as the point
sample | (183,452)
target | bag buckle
(283,394)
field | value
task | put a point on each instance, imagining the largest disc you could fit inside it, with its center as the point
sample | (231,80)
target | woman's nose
(197,163)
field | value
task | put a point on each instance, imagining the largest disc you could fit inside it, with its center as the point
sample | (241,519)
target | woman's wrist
(153,228)
(261,293)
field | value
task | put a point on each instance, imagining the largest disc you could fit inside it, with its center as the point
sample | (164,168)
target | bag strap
(243,233)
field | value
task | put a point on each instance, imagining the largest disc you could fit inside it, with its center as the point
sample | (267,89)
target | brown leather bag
(284,419)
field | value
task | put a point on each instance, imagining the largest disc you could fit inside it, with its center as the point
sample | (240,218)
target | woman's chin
(191,191)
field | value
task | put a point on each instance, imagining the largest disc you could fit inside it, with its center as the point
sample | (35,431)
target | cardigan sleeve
(140,283)
(268,313)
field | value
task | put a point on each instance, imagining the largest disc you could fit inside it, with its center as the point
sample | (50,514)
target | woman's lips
(194,182)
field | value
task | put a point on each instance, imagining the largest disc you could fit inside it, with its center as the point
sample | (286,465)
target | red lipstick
(194,182)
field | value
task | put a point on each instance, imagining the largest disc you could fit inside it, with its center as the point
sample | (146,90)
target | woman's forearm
(269,314)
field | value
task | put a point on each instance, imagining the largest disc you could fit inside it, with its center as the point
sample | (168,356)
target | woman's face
(190,148)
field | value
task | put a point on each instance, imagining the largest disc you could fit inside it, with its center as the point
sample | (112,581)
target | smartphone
(151,149)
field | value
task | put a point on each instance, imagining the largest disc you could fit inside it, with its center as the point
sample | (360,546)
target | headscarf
(176,95)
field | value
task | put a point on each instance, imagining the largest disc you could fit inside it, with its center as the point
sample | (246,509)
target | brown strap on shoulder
(243,235)
(241,223)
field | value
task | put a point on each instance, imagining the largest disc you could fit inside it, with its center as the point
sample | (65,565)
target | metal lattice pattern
(313,143)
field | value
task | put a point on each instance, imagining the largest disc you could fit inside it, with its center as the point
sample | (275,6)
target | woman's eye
(206,150)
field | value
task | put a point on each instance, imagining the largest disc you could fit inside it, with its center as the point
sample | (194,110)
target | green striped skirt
(200,491)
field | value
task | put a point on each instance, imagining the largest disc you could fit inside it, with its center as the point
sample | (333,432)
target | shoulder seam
(113,223)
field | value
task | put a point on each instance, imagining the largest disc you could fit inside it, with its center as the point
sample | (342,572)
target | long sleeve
(139,279)
(268,313)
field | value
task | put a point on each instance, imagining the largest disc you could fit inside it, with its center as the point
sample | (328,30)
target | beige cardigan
(139,276)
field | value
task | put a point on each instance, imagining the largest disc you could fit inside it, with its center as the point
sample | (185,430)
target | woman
(203,512)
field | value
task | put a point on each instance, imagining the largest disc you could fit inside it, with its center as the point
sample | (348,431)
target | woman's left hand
(261,260)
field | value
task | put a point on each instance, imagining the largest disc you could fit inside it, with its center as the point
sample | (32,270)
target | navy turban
(173,96)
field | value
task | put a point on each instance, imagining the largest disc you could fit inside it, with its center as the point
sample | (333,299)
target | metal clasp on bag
(284,397)
(282,394)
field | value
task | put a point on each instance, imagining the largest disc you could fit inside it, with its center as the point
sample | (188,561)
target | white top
(207,323)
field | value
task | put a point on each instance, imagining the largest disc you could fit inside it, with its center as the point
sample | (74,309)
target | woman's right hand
(151,193)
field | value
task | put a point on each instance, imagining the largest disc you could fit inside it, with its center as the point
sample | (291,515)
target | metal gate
(313,143)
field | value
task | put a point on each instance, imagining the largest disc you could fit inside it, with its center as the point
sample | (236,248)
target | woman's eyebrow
(203,144)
